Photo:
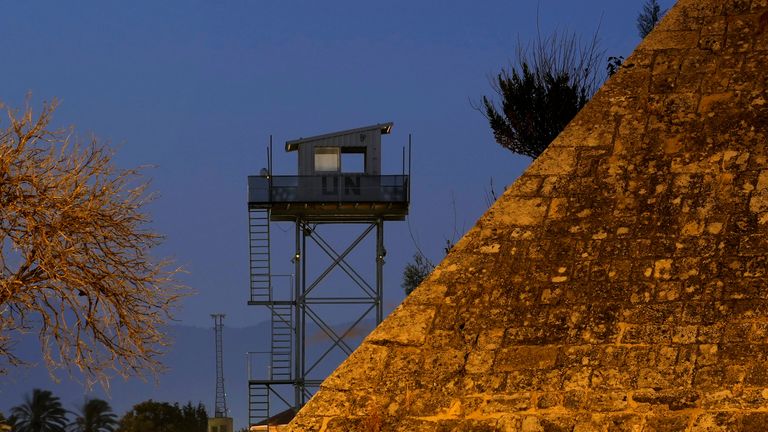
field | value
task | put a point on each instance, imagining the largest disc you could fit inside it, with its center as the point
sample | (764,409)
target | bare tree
(550,81)
(74,254)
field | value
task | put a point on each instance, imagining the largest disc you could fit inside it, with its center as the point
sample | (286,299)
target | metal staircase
(258,402)
(264,390)
(258,241)
(280,372)
(281,351)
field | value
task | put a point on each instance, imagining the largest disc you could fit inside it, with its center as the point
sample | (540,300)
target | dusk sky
(194,88)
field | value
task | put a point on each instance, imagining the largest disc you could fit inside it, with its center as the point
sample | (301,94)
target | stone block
(507,403)
(611,378)
(716,422)
(403,328)
(526,357)
(479,362)
(369,356)
(672,399)
(607,401)
(489,382)
(559,161)
(624,423)
(549,400)
(660,40)
(754,422)
(663,422)
(521,211)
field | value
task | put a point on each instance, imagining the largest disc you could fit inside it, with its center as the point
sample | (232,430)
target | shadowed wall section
(619,284)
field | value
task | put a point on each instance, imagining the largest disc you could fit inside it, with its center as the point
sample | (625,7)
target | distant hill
(191,375)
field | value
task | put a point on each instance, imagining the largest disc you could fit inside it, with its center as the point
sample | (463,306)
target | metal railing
(341,188)
(258,365)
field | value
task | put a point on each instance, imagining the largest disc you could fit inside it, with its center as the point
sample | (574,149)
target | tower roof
(384,128)
(620,284)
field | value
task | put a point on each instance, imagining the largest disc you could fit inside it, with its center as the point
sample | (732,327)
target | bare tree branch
(74,254)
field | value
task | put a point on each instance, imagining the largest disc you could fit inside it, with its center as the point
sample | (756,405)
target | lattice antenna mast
(220,409)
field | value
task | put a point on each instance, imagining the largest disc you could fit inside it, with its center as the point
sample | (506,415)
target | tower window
(327,159)
(353,160)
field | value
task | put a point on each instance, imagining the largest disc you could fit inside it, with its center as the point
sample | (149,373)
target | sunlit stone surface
(620,284)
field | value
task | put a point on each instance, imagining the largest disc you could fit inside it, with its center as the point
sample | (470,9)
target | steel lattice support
(309,295)
(220,407)
(326,191)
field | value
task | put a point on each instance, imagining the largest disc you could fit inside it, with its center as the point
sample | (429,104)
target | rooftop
(385,128)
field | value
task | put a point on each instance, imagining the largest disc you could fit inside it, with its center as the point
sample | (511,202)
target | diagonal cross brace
(338,260)
(328,330)
(336,343)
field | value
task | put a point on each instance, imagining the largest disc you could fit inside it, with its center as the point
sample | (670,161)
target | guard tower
(339,182)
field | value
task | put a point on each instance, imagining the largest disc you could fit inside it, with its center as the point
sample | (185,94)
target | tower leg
(380,253)
(301,387)
(298,259)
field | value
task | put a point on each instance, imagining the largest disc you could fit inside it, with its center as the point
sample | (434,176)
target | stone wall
(619,284)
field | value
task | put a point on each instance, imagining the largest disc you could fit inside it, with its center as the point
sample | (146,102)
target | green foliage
(5,424)
(42,412)
(543,92)
(415,272)
(649,17)
(193,418)
(95,416)
(534,110)
(151,416)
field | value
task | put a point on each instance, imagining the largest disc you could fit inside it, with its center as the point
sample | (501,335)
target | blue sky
(194,88)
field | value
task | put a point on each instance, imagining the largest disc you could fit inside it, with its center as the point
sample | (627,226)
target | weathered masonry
(620,284)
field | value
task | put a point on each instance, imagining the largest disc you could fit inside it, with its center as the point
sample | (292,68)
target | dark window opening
(353,160)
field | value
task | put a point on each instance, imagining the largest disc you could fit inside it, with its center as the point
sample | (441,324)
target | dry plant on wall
(74,254)
(374,421)
(409,399)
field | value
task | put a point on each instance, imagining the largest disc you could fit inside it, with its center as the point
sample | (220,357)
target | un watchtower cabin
(339,178)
